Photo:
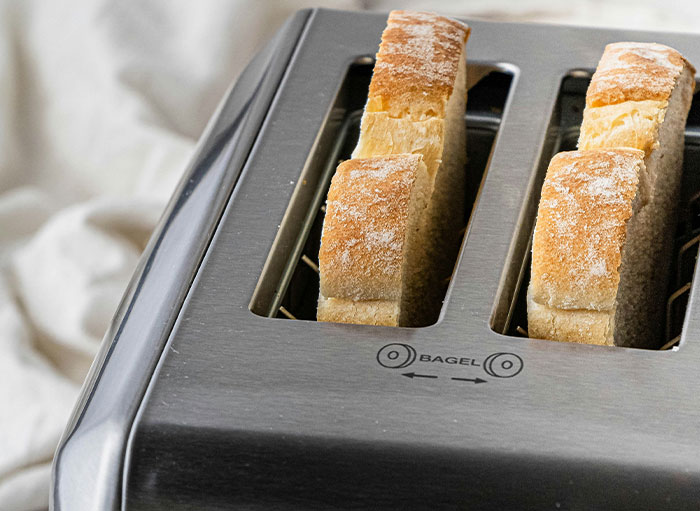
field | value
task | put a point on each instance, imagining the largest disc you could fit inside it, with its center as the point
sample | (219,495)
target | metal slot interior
(565,130)
(289,285)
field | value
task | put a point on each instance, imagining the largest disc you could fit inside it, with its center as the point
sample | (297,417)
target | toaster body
(215,388)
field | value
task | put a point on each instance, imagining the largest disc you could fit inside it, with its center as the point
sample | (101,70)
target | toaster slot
(565,126)
(289,284)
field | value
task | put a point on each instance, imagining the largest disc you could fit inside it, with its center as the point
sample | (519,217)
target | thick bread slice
(371,254)
(585,251)
(416,104)
(639,97)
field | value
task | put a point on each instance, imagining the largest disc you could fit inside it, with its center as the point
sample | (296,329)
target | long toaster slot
(295,291)
(683,254)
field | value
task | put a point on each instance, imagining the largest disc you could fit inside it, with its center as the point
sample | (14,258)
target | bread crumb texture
(416,65)
(630,71)
(366,312)
(364,231)
(630,124)
(587,199)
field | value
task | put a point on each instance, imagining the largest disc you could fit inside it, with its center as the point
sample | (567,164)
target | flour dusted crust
(417,65)
(587,199)
(630,71)
(364,232)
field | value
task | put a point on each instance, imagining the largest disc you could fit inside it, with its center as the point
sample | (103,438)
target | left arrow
(414,375)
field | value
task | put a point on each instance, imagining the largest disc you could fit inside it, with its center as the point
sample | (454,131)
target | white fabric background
(101,103)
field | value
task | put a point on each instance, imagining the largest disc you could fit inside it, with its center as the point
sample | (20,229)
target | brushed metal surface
(257,413)
(89,462)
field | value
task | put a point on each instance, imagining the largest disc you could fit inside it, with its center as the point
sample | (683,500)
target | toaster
(215,388)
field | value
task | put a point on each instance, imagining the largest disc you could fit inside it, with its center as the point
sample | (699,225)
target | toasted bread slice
(371,258)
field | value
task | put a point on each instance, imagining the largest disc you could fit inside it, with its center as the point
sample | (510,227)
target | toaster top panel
(250,389)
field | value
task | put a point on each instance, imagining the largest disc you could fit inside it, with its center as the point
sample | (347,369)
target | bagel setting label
(400,356)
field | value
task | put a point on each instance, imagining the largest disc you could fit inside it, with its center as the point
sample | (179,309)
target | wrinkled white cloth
(101,103)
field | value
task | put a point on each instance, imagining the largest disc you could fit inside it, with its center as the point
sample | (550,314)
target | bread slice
(371,254)
(593,280)
(415,112)
(416,104)
(639,97)
(587,248)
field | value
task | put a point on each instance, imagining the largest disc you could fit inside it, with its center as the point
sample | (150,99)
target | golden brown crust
(416,65)
(587,199)
(630,71)
(364,232)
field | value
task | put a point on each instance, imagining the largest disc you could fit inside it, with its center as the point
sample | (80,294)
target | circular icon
(396,356)
(503,365)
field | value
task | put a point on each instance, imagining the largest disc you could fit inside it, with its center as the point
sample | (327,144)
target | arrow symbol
(414,375)
(475,380)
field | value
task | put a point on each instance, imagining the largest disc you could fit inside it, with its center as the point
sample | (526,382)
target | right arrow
(475,380)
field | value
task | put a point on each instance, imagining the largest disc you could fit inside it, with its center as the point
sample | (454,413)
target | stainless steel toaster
(215,388)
